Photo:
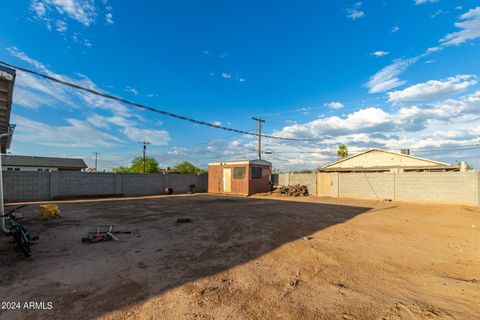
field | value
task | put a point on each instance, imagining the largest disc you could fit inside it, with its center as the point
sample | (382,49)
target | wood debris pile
(291,191)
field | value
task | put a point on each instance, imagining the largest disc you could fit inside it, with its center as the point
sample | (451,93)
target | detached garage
(239,177)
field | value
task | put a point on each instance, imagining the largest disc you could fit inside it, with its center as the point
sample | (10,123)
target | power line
(144,107)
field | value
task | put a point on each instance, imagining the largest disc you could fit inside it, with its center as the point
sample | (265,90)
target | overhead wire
(149,108)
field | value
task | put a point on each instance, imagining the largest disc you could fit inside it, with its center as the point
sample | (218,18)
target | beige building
(378,160)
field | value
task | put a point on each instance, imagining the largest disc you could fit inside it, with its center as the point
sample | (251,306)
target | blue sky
(387,74)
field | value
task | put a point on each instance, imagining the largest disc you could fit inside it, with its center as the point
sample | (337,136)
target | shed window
(256,173)
(239,173)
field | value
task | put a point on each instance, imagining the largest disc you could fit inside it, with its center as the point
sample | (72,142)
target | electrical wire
(144,107)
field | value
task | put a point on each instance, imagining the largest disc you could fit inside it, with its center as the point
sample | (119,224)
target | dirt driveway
(248,258)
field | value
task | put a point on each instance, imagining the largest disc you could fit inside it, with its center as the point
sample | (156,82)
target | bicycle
(19,232)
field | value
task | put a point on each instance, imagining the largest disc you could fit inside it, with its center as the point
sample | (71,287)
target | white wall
(5,168)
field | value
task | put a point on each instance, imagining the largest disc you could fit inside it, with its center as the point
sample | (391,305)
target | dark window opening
(239,173)
(256,173)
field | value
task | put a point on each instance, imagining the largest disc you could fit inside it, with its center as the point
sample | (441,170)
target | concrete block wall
(150,184)
(81,183)
(429,187)
(366,185)
(40,186)
(440,187)
(28,185)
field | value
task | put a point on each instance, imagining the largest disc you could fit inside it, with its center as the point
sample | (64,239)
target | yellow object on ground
(48,211)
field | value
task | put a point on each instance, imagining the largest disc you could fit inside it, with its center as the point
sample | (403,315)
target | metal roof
(7,82)
(32,161)
(259,162)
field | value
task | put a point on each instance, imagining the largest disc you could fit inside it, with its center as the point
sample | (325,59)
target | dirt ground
(248,258)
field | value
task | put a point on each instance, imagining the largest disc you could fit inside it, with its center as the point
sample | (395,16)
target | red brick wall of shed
(215,179)
(260,185)
(215,183)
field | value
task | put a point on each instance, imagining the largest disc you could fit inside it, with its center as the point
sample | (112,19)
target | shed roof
(33,161)
(428,162)
(259,162)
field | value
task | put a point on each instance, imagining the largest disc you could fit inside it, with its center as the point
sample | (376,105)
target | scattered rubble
(291,191)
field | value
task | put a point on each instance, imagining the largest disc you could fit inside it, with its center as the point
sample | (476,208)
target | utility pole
(144,150)
(96,158)
(259,122)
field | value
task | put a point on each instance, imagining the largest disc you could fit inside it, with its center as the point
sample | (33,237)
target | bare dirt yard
(248,258)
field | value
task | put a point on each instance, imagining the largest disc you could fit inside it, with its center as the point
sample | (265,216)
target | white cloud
(14,51)
(364,119)
(437,13)
(387,78)
(226,75)
(417,2)
(61,26)
(29,99)
(433,89)
(82,11)
(38,8)
(355,12)
(109,18)
(131,90)
(470,29)
(334,105)
(379,53)
(155,137)
(75,133)
(395,29)
(217,123)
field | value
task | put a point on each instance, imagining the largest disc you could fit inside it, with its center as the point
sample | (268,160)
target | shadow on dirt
(88,280)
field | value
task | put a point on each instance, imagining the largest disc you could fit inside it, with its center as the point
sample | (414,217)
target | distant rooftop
(50,162)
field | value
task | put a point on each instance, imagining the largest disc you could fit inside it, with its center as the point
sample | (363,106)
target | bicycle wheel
(22,241)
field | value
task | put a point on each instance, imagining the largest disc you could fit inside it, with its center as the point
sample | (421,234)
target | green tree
(342,151)
(151,166)
(186,167)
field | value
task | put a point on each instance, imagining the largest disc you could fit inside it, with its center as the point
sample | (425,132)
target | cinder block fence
(430,187)
(40,186)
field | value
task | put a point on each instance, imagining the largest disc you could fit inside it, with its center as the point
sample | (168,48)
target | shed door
(227,179)
(324,184)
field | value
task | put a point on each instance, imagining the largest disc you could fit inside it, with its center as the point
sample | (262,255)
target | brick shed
(245,177)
